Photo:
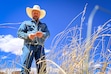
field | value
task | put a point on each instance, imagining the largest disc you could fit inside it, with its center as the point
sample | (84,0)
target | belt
(33,43)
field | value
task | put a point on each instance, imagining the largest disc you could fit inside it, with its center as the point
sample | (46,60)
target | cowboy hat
(35,7)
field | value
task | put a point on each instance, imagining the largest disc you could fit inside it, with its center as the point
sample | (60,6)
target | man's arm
(46,32)
(22,31)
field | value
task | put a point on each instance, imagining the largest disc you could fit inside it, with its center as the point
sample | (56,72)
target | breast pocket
(42,28)
(30,27)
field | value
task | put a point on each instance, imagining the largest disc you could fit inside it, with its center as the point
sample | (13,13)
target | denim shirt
(29,27)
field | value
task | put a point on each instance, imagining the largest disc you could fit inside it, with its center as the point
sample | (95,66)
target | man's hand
(39,34)
(31,36)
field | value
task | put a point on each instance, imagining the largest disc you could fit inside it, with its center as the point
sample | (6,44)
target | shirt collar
(35,21)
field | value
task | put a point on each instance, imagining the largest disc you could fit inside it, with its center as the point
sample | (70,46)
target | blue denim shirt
(29,27)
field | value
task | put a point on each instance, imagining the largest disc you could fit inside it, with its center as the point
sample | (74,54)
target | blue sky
(59,14)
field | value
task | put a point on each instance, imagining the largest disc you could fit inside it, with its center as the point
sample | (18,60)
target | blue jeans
(30,52)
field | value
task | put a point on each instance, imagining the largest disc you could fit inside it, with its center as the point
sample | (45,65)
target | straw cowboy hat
(35,7)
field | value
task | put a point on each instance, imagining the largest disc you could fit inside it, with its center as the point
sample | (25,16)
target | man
(34,34)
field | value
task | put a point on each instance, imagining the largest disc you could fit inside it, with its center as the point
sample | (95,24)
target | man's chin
(36,19)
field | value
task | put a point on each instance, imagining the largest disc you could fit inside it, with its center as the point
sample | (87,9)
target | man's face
(35,15)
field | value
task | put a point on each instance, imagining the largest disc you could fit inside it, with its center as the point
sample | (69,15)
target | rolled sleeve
(46,33)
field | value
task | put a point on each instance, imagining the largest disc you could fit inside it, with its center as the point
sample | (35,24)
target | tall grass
(77,55)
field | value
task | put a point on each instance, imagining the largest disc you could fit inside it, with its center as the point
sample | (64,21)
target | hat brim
(29,12)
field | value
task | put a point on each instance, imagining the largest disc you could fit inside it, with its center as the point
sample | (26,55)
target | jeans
(30,52)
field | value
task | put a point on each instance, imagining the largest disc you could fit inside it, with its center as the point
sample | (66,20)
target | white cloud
(8,43)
